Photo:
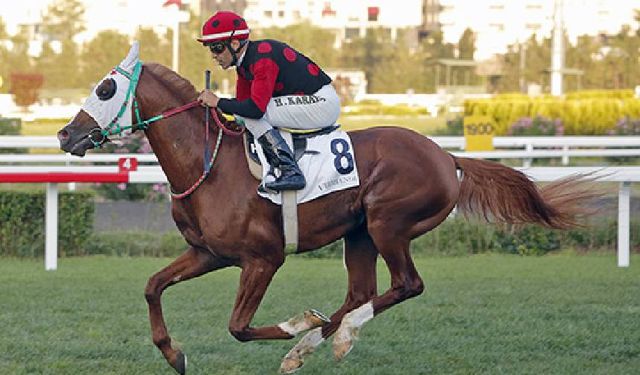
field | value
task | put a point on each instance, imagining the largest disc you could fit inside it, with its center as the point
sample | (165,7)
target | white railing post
(623,223)
(51,228)
(565,157)
(526,162)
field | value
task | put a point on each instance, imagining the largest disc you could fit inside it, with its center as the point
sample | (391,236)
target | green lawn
(559,314)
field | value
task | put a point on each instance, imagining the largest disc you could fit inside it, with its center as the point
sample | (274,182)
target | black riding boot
(280,156)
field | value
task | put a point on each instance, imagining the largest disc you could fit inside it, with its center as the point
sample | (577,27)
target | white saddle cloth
(329,165)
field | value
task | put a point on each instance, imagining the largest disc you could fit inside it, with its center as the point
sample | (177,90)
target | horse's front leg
(254,280)
(194,262)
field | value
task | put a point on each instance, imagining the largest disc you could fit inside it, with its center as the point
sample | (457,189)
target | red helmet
(224,25)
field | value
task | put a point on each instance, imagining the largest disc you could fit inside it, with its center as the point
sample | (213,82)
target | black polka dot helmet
(224,25)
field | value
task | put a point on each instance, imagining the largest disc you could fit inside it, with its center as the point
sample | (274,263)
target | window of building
(268,13)
(281,13)
(497,26)
(533,26)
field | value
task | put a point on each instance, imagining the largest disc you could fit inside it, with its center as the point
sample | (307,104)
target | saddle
(299,146)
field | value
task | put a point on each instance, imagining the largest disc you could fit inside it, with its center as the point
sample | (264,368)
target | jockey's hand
(207,97)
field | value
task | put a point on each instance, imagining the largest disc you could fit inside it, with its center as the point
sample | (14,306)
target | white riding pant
(304,112)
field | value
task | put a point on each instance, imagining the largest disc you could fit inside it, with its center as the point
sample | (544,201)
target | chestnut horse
(408,186)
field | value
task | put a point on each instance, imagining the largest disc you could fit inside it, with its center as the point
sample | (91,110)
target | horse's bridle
(114,127)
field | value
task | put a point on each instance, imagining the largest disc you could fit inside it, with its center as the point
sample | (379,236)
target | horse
(408,186)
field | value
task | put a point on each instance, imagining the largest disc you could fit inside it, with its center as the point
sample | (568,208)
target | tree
(102,53)
(195,59)
(367,52)
(511,73)
(64,19)
(585,56)
(45,64)
(312,41)
(624,71)
(466,50)
(538,61)
(399,72)
(467,45)
(25,87)
(18,58)
(431,49)
(3,30)
(60,70)
(153,48)
(4,55)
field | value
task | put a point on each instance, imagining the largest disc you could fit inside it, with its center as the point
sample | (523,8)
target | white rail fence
(525,148)
(56,168)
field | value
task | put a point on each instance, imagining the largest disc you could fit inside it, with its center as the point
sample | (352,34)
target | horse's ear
(132,57)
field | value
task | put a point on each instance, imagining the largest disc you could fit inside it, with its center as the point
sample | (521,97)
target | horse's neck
(177,141)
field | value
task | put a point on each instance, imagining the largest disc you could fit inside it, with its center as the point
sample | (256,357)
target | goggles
(217,47)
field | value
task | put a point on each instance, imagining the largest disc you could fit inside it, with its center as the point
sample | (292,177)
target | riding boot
(280,156)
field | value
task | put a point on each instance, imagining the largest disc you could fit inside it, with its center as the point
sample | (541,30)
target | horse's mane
(173,81)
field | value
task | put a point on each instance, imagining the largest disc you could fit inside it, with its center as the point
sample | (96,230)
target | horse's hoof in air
(290,365)
(341,349)
(316,318)
(181,363)
(343,340)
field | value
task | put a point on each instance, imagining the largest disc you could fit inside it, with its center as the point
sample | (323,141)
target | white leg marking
(349,328)
(360,315)
(294,360)
(297,324)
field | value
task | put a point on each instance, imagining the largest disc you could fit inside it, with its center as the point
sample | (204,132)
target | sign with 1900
(478,133)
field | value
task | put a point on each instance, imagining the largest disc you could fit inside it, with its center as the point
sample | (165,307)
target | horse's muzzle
(75,145)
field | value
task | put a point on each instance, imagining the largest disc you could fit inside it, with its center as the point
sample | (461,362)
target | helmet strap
(234,52)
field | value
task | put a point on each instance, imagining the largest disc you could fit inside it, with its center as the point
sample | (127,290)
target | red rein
(214,114)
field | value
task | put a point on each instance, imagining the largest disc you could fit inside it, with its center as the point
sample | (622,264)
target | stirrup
(281,185)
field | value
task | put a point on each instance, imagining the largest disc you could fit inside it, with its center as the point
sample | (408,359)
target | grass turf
(560,314)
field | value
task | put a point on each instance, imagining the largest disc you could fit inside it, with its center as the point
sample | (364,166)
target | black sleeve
(245,108)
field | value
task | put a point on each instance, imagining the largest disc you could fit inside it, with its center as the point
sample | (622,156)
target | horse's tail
(496,192)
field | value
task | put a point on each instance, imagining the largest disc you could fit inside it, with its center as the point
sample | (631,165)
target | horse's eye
(107,89)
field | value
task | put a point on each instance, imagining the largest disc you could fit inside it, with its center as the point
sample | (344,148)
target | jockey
(276,87)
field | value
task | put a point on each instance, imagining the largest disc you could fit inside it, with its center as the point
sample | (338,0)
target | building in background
(496,23)
(347,18)
(500,23)
(430,17)
(125,16)
(208,7)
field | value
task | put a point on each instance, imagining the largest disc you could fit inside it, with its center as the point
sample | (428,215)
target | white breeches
(317,110)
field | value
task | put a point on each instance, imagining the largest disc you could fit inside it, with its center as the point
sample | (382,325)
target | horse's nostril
(63,135)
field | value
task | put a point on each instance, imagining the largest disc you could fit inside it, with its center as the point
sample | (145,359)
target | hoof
(290,365)
(316,318)
(181,363)
(341,349)
(343,340)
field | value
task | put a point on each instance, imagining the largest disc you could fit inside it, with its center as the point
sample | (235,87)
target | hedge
(581,113)
(454,237)
(22,216)
(11,126)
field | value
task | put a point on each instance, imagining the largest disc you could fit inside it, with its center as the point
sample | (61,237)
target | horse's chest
(197,228)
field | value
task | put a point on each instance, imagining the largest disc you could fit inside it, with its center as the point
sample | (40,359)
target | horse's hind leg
(193,263)
(405,283)
(360,256)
